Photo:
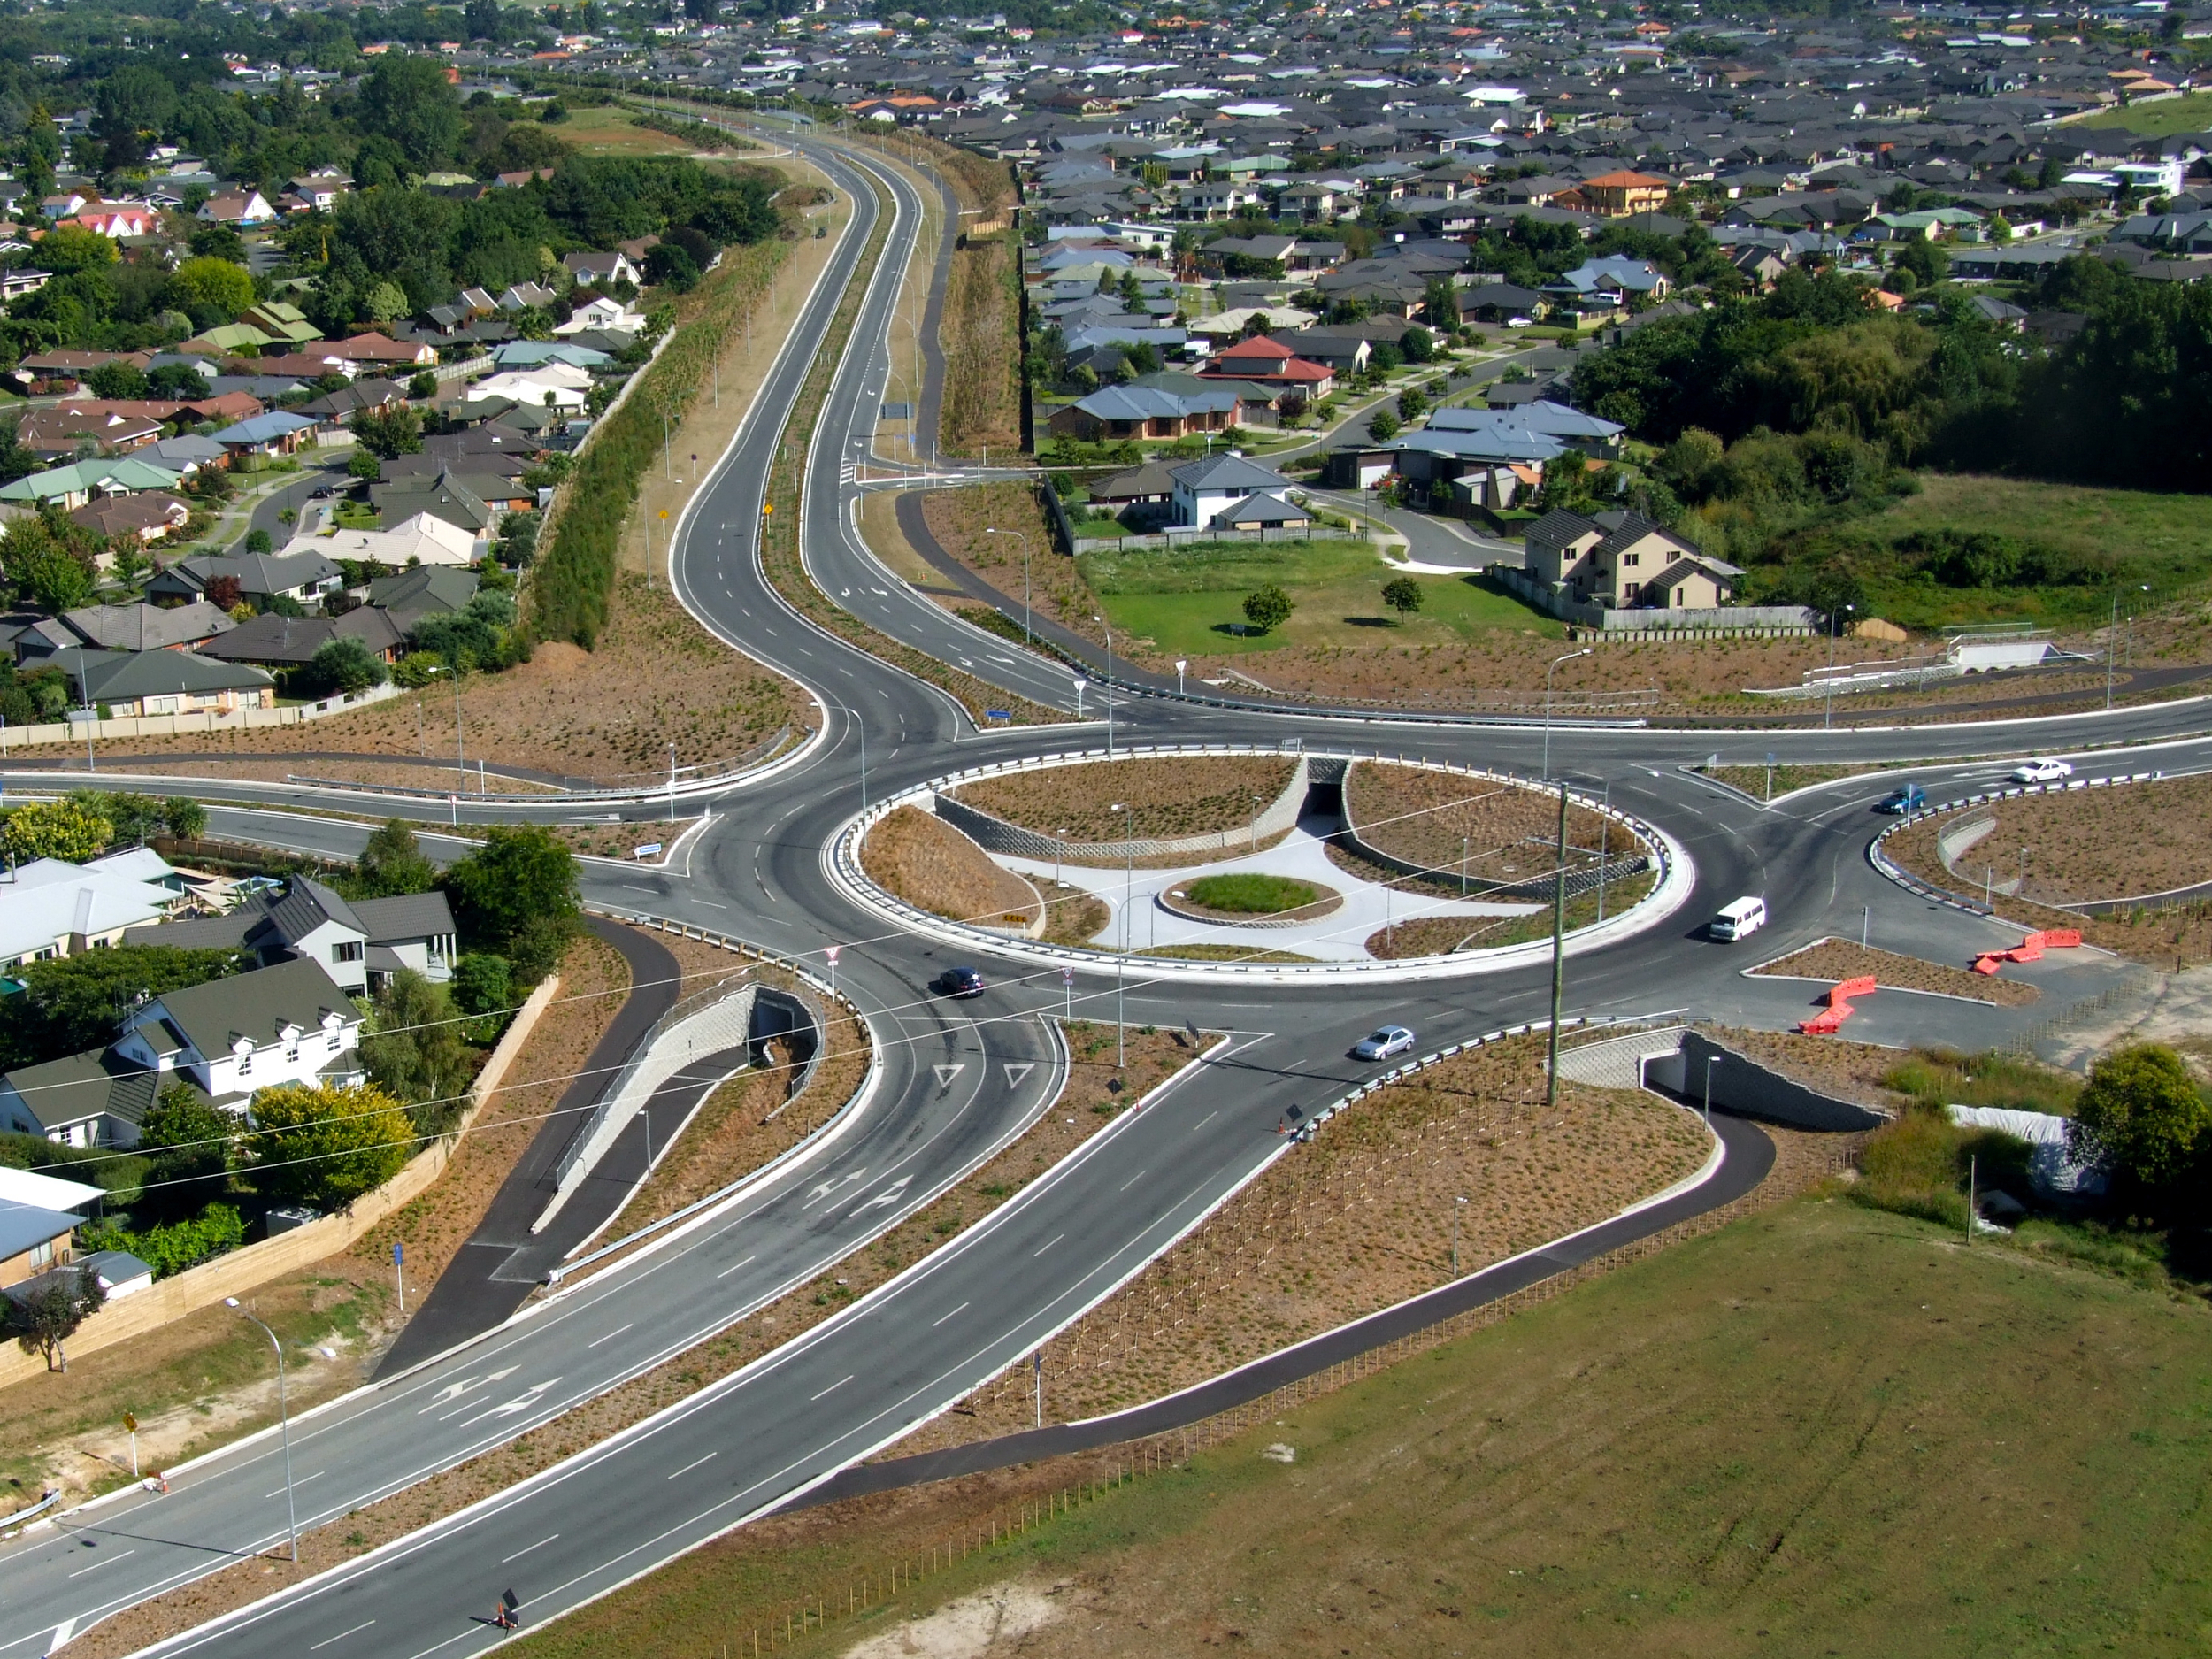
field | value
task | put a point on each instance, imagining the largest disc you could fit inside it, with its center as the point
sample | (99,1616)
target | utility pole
(1558,953)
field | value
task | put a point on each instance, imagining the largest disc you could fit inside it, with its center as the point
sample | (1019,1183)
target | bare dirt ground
(200,1381)
(1503,832)
(1359,1219)
(1839,959)
(1836,1066)
(924,860)
(1085,1107)
(1166,796)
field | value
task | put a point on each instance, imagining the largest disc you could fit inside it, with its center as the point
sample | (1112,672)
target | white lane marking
(342,1635)
(890,1194)
(522,1402)
(1202,1121)
(610,1335)
(527,1548)
(688,1467)
(1048,1244)
(103,1562)
(727,1272)
(302,1481)
(934,1324)
(1132,1181)
(833,1387)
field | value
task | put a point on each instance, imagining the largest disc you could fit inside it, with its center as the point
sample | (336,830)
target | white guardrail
(1890,868)
(841,863)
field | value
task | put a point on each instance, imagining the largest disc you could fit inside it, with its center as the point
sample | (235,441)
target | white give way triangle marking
(946,1073)
(1015,1073)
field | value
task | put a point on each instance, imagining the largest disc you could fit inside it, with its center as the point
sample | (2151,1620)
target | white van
(1739,920)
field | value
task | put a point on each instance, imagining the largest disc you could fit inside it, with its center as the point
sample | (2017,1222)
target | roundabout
(1317,897)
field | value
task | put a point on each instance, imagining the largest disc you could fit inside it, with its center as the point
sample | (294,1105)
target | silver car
(1383,1042)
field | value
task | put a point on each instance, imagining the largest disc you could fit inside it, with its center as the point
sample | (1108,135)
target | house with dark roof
(226,1039)
(357,943)
(304,576)
(443,496)
(280,641)
(135,683)
(143,627)
(428,590)
(1621,559)
(1206,489)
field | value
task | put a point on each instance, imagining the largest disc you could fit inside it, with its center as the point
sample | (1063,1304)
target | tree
(408,100)
(70,248)
(1928,262)
(184,818)
(121,379)
(45,1320)
(2141,1118)
(669,266)
(211,285)
(258,541)
(1418,345)
(482,983)
(56,829)
(1383,426)
(365,464)
(189,1139)
(414,1051)
(1413,403)
(225,593)
(54,576)
(423,386)
(1267,608)
(1402,595)
(72,1003)
(345,665)
(386,304)
(522,874)
(392,863)
(325,1145)
(388,432)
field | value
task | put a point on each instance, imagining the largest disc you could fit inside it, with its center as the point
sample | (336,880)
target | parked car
(1383,1042)
(1897,802)
(1738,920)
(2041,771)
(959,982)
(321,492)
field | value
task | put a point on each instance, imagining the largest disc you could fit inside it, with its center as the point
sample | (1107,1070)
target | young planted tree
(1402,595)
(45,1320)
(1267,608)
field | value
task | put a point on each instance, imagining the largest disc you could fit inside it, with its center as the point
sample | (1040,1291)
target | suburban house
(135,683)
(1620,560)
(49,907)
(429,590)
(297,573)
(148,518)
(73,485)
(423,539)
(1602,286)
(1139,411)
(444,497)
(1203,490)
(276,433)
(357,944)
(1616,194)
(237,207)
(1149,490)
(601,269)
(1271,362)
(375,350)
(276,641)
(143,627)
(37,1215)
(53,433)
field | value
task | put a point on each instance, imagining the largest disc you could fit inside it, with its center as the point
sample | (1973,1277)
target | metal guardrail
(1889,867)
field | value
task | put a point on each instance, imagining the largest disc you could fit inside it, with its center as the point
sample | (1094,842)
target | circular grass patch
(1251,893)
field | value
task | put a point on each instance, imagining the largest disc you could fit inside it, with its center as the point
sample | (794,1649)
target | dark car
(1897,802)
(959,982)
(321,492)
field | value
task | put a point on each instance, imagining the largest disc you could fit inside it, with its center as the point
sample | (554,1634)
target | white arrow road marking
(522,1402)
(823,1190)
(1015,1073)
(63,1632)
(889,1195)
(946,1073)
(455,1390)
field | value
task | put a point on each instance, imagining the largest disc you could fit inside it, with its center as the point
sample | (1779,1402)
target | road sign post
(130,1422)
(1067,992)
(399,1276)
(831,954)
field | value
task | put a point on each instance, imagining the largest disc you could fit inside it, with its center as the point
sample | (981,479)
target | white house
(49,907)
(603,313)
(1203,489)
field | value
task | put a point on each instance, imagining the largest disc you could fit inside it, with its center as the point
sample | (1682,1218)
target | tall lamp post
(1024,540)
(1558,953)
(1569,658)
(284,1421)
(1828,707)
(1458,1204)
(1108,626)
(1121,961)
(1711,1060)
(2112,640)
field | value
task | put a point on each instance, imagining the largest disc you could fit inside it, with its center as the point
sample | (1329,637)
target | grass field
(1191,603)
(2192,112)
(1821,1429)
(2164,540)
(1251,893)
(607,131)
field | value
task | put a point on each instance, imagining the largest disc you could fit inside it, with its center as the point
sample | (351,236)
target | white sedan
(1383,1042)
(2041,771)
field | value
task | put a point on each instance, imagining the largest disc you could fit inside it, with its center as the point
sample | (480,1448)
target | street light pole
(1108,626)
(1558,955)
(1569,658)
(1458,1204)
(671,783)
(1828,710)
(284,1421)
(1121,961)
(1711,1060)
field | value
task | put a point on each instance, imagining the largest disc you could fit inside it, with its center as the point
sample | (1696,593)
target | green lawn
(1250,893)
(1190,602)
(2137,535)
(2192,112)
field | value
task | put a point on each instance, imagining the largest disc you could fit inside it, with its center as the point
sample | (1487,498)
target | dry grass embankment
(924,860)
(1166,796)
(1085,1107)
(205,1378)
(1358,1220)
(1503,832)
(1834,960)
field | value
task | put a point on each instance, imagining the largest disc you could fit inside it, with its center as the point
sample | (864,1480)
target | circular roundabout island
(1259,863)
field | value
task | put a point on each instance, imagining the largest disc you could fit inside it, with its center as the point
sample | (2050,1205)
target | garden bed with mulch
(1834,960)
(1493,832)
(933,867)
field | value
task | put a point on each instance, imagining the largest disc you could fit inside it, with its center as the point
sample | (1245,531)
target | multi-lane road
(951,1084)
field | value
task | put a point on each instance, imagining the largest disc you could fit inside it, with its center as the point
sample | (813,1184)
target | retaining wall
(1746,1087)
(996,835)
(253,1265)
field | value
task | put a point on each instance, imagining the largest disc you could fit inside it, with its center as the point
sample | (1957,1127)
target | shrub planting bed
(933,867)
(1166,795)
(1496,832)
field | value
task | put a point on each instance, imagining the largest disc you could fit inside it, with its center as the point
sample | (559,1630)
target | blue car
(1897,802)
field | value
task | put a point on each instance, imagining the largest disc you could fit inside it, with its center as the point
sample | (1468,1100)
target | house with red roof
(1269,361)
